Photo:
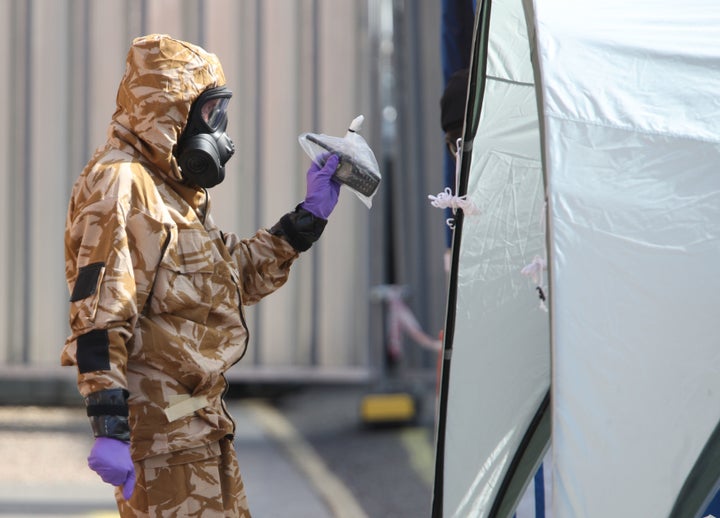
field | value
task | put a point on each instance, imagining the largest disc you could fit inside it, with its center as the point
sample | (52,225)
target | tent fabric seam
(509,81)
(633,129)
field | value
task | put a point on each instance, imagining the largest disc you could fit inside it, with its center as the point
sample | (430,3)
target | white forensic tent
(499,378)
(608,112)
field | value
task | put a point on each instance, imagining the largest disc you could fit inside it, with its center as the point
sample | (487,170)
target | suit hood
(163,77)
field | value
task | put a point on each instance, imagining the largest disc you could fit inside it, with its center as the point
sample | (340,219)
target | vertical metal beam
(86,83)
(26,222)
(201,23)
(258,196)
(315,123)
(15,292)
(143,16)
(376,229)
(417,173)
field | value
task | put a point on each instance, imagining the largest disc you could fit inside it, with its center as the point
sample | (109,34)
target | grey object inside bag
(351,172)
(358,169)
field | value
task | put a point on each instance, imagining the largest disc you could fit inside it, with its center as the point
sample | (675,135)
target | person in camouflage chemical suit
(157,290)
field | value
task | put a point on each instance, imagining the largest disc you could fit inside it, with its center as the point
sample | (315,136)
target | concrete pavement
(43,471)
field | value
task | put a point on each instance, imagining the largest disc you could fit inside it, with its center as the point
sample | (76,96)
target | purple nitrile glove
(110,458)
(322,190)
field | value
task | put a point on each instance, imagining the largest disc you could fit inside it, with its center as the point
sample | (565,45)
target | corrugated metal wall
(294,66)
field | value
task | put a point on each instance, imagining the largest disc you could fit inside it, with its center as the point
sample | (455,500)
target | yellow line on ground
(331,489)
(417,442)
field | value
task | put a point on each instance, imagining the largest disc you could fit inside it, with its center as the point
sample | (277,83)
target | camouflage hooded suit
(157,291)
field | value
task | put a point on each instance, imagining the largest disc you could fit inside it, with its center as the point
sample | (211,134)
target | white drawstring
(534,270)
(446,200)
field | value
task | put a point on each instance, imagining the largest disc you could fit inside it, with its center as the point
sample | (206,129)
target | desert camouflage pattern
(202,482)
(172,289)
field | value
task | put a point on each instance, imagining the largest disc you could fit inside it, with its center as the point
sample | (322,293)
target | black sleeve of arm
(300,228)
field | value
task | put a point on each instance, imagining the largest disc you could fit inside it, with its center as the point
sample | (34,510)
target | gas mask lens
(213,112)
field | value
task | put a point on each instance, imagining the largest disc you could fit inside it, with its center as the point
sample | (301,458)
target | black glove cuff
(108,413)
(113,426)
(300,227)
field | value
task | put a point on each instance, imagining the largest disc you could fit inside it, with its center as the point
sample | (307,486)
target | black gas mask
(204,147)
